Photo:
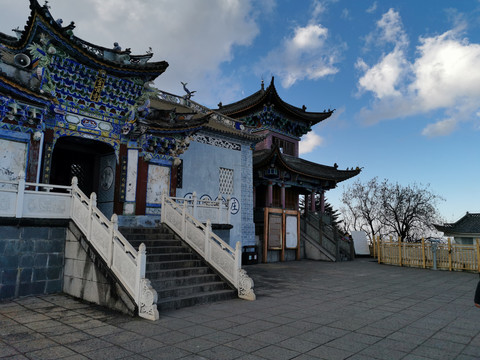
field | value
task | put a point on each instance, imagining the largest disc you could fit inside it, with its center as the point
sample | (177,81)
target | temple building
(280,176)
(107,182)
(465,231)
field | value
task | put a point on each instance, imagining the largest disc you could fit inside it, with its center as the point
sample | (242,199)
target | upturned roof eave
(342,175)
(39,13)
(270,95)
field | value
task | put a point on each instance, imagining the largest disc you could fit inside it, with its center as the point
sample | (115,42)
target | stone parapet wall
(87,277)
(31,257)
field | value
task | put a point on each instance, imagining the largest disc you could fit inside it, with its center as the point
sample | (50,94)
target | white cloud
(184,33)
(383,78)
(303,55)
(444,75)
(309,142)
(372,8)
(391,28)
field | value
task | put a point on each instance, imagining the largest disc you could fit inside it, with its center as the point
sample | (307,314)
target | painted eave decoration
(115,61)
(265,109)
(305,168)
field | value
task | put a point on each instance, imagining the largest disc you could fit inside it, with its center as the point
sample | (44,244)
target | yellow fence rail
(427,255)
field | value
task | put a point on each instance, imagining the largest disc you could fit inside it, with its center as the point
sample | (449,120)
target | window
(226,181)
(286,146)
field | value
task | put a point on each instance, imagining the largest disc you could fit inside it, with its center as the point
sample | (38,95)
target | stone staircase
(180,277)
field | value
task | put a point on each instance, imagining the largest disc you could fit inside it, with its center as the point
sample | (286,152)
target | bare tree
(390,209)
(362,207)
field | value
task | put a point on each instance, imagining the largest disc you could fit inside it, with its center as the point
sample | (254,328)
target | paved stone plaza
(304,310)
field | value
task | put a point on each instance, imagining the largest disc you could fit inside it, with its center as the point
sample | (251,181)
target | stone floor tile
(196,345)
(142,345)
(107,353)
(50,353)
(221,352)
(166,353)
(274,352)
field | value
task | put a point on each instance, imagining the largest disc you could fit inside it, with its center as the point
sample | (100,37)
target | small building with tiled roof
(464,231)
(280,177)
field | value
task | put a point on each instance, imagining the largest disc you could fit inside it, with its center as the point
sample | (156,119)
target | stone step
(144,230)
(177,264)
(188,290)
(154,243)
(155,258)
(145,237)
(184,301)
(181,272)
(167,249)
(180,277)
(173,282)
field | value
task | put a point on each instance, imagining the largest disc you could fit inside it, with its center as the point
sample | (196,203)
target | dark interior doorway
(92,162)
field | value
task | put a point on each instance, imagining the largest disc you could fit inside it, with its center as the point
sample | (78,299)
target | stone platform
(354,310)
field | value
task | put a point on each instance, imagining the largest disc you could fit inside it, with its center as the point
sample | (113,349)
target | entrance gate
(92,162)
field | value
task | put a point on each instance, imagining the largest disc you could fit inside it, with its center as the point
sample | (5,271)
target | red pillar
(270,194)
(312,196)
(322,201)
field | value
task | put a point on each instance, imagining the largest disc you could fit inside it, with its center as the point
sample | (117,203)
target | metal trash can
(249,255)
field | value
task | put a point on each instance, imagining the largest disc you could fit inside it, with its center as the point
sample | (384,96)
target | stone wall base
(86,276)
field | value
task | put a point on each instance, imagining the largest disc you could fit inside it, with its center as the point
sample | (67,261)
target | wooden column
(270,194)
(312,205)
(322,201)
(282,195)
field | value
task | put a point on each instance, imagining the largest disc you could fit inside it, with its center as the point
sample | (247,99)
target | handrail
(218,211)
(127,264)
(221,256)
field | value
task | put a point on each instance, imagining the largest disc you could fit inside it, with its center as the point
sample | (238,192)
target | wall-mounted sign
(99,84)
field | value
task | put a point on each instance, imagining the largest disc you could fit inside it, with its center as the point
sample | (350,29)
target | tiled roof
(270,95)
(468,224)
(138,64)
(301,166)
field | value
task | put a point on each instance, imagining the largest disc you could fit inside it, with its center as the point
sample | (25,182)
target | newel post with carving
(20,194)
(244,282)
(146,297)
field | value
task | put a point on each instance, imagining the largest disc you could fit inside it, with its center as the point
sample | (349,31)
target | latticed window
(226,181)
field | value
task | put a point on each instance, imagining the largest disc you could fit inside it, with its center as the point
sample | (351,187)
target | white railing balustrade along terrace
(21,199)
(216,252)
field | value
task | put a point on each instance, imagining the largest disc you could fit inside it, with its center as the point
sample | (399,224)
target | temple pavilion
(280,176)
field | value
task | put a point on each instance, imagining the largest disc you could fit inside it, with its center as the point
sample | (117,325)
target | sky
(402,76)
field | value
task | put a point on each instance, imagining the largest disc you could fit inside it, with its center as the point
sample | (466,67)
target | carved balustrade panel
(100,236)
(46,205)
(223,260)
(8,202)
(195,237)
(80,213)
(124,266)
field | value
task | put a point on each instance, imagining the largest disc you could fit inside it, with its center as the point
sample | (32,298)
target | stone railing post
(228,209)
(219,210)
(208,230)
(20,194)
(184,219)
(194,198)
(91,205)
(140,271)
(238,260)
(113,228)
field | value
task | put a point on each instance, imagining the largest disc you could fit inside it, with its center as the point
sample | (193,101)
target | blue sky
(403,76)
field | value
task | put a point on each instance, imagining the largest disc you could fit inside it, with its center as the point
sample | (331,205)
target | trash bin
(249,255)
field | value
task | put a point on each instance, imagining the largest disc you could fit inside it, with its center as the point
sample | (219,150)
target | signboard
(291,236)
(99,84)
(275,231)
(360,243)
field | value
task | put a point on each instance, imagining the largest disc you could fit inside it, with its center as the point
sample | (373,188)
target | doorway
(94,165)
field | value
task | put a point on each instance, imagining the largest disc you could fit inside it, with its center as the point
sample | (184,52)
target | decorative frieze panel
(210,140)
